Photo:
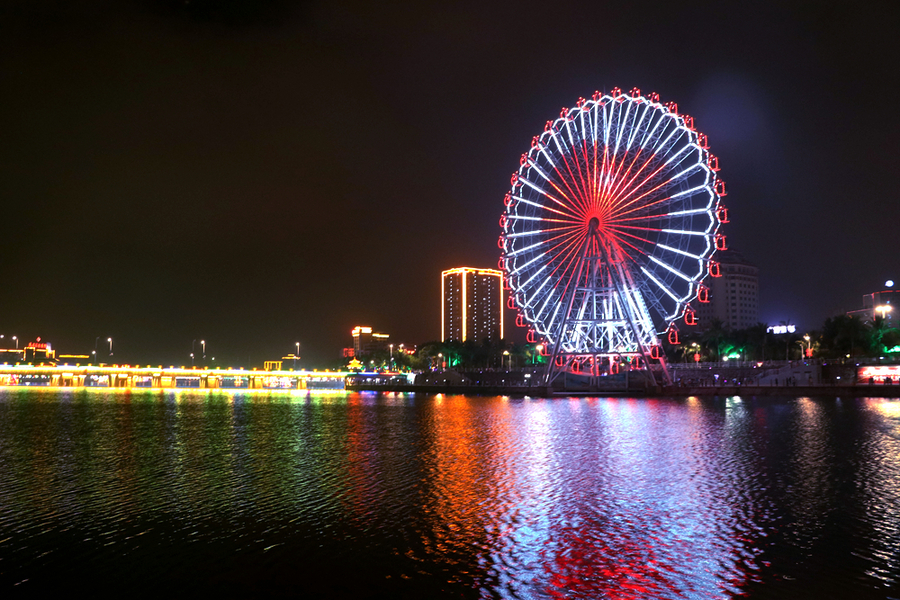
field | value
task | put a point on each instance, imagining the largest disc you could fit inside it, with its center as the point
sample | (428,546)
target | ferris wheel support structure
(604,320)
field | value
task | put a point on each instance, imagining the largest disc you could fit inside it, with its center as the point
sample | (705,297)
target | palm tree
(715,334)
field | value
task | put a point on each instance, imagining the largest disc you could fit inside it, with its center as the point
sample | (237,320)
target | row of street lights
(12,338)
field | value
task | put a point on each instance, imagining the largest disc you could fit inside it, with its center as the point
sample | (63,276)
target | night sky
(258,173)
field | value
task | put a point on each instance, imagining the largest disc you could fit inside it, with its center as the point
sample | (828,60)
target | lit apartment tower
(471,304)
(733,297)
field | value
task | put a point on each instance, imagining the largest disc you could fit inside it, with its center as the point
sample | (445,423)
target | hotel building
(733,297)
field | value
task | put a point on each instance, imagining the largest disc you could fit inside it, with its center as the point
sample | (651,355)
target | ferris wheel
(610,229)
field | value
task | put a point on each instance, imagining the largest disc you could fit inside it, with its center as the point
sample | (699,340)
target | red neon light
(501,264)
(673,337)
(500,243)
(503,220)
(702,141)
(703,294)
(713,163)
(720,242)
(511,301)
(615,92)
(714,269)
(722,214)
(560,361)
(635,93)
(613,368)
(596,96)
(520,320)
(544,351)
(690,318)
(530,337)
(654,352)
(654,97)
(720,188)
(672,106)
(508,200)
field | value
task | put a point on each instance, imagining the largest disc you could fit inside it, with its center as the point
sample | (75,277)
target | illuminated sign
(781,329)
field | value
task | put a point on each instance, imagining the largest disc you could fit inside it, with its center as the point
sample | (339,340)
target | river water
(346,495)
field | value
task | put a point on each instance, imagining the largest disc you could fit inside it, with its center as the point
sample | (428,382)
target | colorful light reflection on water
(364,495)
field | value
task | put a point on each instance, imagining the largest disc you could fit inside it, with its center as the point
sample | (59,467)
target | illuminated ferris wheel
(609,231)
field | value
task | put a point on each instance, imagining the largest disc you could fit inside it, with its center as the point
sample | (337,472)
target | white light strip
(664,247)
(671,269)
(660,284)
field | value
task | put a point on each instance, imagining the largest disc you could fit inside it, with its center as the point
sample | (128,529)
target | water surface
(415,496)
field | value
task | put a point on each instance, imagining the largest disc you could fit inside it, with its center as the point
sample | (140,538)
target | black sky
(260,173)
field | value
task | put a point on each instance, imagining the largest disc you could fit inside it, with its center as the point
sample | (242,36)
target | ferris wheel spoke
(660,284)
(532,232)
(542,206)
(679,251)
(549,196)
(573,145)
(562,155)
(591,183)
(562,178)
(674,179)
(671,269)
(548,179)
(551,240)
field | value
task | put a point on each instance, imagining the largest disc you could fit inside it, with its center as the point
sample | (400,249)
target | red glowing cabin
(520,320)
(635,93)
(702,141)
(672,106)
(720,242)
(673,337)
(722,214)
(688,121)
(530,337)
(715,270)
(720,188)
(653,97)
(690,318)
(511,302)
(654,352)
(703,294)
(712,162)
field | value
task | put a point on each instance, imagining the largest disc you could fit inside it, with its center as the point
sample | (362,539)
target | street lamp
(203,347)
(391,365)
(509,360)
(537,350)
(17,342)
(110,345)
(94,356)
(884,309)
(192,359)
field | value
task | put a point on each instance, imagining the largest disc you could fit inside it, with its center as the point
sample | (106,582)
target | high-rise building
(471,304)
(733,297)
(366,341)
